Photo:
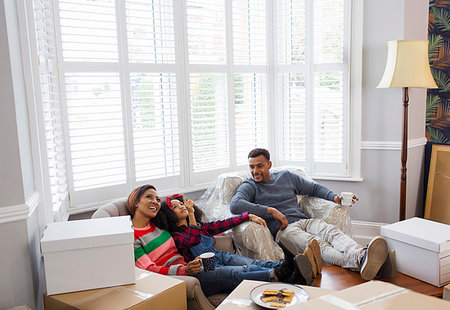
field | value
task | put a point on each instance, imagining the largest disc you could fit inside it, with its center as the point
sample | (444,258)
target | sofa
(196,300)
(251,239)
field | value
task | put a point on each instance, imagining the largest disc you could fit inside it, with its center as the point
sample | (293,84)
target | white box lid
(81,234)
(420,232)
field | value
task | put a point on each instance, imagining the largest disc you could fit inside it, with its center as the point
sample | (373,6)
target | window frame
(188,182)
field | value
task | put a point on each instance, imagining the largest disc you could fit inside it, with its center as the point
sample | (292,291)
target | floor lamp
(406,66)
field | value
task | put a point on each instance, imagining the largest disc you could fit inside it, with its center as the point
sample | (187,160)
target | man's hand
(257,220)
(281,219)
(193,267)
(338,199)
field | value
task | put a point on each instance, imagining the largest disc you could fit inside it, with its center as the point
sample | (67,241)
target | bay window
(173,93)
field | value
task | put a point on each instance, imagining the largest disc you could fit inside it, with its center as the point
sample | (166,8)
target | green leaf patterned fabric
(438,106)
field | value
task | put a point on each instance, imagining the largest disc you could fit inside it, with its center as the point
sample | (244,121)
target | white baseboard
(363,232)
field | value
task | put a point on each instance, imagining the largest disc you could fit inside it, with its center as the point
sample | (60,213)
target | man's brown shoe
(315,248)
(310,255)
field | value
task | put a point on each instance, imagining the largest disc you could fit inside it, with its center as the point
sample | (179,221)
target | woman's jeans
(231,269)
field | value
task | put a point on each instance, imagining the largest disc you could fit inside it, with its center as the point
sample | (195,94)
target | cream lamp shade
(407,65)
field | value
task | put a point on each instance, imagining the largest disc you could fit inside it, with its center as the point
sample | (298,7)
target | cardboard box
(87,254)
(422,249)
(446,293)
(151,291)
(375,295)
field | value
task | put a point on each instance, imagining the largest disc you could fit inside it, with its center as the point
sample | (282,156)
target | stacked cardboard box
(151,291)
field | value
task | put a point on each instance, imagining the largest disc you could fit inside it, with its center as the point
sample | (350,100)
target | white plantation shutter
(328,120)
(150,31)
(51,102)
(155,125)
(328,31)
(94,114)
(174,92)
(294,118)
(250,108)
(311,71)
(249,32)
(291,31)
(209,121)
(88,30)
(206,31)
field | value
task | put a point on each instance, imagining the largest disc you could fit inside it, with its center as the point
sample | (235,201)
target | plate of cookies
(278,295)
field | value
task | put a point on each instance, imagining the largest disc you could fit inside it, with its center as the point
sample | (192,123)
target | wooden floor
(338,278)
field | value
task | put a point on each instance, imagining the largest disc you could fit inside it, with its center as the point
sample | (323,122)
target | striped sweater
(155,250)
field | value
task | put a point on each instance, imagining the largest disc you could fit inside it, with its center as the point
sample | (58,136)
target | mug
(207,261)
(347,199)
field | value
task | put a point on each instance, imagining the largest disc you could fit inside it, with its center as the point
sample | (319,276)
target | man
(273,196)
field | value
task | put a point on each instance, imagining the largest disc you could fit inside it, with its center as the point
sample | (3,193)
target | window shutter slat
(293,98)
(92,99)
(328,31)
(88,30)
(250,103)
(155,125)
(291,31)
(206,31)
(249,32)
(51,102)
(209,129)
(328,117)
(150,31)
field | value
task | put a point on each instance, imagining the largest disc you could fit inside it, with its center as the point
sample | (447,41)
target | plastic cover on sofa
(254,240)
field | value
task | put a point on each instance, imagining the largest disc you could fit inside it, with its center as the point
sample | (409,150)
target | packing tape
(382,296)
(140,295)
(341,303)
(143,275)
(338,302)
(79,303)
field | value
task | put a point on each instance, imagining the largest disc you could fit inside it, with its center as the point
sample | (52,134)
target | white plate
(300,294)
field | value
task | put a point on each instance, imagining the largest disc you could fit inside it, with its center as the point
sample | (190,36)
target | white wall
(20,265)
(381,133)
(386,20)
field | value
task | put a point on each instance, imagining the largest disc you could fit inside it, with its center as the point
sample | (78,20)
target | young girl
(155,250)
(193,238)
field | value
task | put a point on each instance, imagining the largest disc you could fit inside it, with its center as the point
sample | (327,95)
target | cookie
(288,299)
(270,292)
(277,304)
(287,292)
(269,298)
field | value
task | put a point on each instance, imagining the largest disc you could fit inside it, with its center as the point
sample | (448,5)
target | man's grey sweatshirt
(279,193)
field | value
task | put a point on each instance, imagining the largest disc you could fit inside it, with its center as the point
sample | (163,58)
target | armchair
(196,300)
(251,239)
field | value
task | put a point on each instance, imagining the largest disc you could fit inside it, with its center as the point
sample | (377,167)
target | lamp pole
(404,156)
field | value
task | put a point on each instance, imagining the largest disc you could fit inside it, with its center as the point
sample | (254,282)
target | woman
(155,250)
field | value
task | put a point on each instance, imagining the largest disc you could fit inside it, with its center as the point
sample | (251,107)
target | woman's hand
(257,220)
(193,267)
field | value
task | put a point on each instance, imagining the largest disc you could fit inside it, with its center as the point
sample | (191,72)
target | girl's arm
(214,228)
(190,207)
(187,238)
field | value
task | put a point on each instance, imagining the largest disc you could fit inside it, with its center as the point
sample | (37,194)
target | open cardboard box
(151,291)
(375,295)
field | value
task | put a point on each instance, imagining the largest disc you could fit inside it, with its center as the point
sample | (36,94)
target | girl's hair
(135,197)
(167,218)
